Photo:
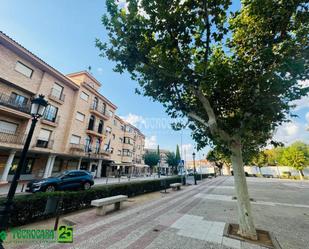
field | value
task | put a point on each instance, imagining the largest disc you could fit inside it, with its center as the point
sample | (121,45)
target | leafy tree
(232,76)
(259,160)
(296,156)
(151,159)
(220,159)
(172,161)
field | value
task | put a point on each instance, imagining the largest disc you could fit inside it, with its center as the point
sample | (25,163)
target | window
(50,113)
(7,127)
(80,116)
(114,136)
(122,128)
(26,170)
(111,114)
(119,152)
(57,91)
(91,122)
(104,108)
(75,139)
(88,144)
(126,140)
(95,103)
(18,100)
(43,138)
(100,127)
(128,129)
(112,150)
(120,139)
(108,130)
(97,145)
(23,69)
(84,96)
(126,152)
(115,122)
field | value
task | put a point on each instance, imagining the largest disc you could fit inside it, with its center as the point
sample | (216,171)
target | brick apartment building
(79,129)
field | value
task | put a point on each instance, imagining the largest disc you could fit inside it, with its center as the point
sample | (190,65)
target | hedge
(198,176)
(31,208)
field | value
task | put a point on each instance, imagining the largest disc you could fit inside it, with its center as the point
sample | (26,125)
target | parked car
(67,180)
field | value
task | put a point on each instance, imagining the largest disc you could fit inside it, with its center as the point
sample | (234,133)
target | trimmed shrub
(30,208)
(204,176)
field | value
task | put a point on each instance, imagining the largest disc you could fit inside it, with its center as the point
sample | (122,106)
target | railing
(12,138)
(99,108)
(81,149)
(44,144)
(56,121)
(56,94)
(77,147)
(8,101)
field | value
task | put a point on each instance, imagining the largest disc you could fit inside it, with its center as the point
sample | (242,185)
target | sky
(63,34)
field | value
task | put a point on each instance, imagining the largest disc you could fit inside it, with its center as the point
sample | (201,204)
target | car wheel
(50,188)
(87,185)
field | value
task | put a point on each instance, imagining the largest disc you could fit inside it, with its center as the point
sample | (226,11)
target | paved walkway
(194,218)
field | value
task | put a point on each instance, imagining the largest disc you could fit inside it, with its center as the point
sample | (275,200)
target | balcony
(100,111)
(14,139)
(56,96)
(80,149)
(53,123)
(44,144)
(94,132)
(8,101)
(77,148)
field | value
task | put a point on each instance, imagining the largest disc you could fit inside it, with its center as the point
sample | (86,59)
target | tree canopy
(232,75)
(151,159)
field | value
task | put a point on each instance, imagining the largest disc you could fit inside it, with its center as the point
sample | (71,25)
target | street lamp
(194,169)
(38,106)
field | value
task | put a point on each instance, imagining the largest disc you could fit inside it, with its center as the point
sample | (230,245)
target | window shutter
(7,127)
(44,135)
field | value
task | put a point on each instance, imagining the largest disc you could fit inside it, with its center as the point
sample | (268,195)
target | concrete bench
(101,204)
(175,186)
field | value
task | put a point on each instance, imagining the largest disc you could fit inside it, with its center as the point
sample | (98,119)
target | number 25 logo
(65,234)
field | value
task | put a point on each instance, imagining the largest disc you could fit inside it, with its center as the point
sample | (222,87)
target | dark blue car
(67,180)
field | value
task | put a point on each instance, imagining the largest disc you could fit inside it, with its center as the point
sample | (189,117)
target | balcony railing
(81,150)
(99,108)
(12,138)
(56,94)
(8,101)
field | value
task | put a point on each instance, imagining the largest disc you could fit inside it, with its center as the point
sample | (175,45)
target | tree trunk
(301,174)
(245,219)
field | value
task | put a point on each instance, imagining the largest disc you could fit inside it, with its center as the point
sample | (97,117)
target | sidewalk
(192,218)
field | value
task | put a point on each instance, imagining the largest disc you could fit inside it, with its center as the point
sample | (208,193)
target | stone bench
(175,186)
(101,204)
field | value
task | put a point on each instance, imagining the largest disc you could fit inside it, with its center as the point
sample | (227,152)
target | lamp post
(194,169)
(38,106)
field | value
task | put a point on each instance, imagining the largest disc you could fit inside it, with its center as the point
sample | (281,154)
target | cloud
(291,132)
(291,129)
(304,101)
(151,142)
(307,117)
(134,119)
